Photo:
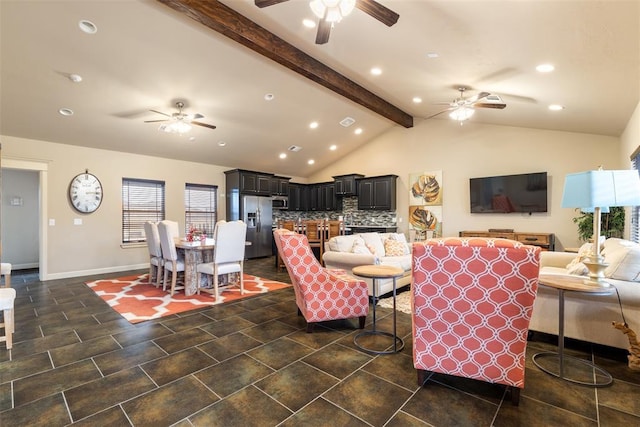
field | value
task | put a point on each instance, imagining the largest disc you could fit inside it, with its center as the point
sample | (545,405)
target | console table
(546,241)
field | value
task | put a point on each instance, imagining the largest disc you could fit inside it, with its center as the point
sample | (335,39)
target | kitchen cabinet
(346,185)
(322,197)
(298,197)
(377,193)
(249,182)
(279,186)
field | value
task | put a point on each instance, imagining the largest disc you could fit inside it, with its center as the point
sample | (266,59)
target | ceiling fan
(331,11)
(179,122)
(463,108)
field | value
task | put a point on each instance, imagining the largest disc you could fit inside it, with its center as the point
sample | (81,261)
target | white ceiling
(146,56)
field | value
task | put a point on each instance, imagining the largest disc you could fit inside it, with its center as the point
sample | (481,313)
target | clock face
(85,193)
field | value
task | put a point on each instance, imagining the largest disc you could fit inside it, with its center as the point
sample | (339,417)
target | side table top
(573,283)
(378,271)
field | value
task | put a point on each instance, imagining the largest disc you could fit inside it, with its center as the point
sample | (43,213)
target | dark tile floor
(251,363)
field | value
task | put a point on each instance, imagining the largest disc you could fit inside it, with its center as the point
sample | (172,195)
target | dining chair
(313,229)
(322,294)
(7,298)
(168,231)
(285,225)
(156,261)
(472,301)
(228,255)
(335,228)
(5,271)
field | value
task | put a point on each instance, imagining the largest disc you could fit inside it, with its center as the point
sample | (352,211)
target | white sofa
(589,317)
(346,252)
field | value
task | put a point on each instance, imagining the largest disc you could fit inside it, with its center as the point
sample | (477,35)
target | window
(142,201)
(635,211)
(200,207)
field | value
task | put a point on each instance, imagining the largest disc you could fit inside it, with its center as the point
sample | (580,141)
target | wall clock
(85,192)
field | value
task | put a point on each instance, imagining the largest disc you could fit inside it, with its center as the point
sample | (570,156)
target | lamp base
(596,266)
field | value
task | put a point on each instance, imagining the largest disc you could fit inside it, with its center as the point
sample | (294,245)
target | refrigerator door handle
(258,221)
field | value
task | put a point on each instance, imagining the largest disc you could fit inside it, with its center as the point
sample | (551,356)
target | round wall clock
(85,192)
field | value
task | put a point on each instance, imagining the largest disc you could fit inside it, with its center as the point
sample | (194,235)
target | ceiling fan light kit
(332,10)
(179,122)
(462,113)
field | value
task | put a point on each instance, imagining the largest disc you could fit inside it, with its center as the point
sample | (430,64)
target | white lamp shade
(601,188)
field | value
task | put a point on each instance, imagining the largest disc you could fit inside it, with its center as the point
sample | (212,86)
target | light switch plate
(52,222)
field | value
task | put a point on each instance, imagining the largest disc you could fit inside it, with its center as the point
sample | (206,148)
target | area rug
(137,300)
(403,302)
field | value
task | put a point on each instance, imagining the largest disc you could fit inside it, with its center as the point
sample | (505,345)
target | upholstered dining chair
(168,231)
(5,271)
(155,253)
(7,298)
(472,300)
(321,294)
(228,255)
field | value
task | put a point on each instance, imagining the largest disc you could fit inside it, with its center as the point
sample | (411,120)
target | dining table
(195,253)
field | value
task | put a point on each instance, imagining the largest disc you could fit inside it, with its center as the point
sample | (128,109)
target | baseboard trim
(79,273)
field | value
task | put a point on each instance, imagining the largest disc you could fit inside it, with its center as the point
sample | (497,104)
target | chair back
(153,239)
(230,238)
(168,231)
(287,225)
(472,300)
(335,228)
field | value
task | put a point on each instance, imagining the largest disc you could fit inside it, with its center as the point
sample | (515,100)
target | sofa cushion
(359,247)
(343,243)
(624,262)
(374,243)
(404,262)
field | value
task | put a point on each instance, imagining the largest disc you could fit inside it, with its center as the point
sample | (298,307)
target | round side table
(375,272)
(571,284)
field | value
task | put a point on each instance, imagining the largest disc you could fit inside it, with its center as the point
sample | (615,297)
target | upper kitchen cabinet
(322,197)
(298,197)
(249,182)
(377,193)
(346,185)
(279,186)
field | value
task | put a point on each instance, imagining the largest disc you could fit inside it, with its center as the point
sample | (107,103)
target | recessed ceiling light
(556,107)
(221,143)
(545,68)
(269,97)
(192,138)
(311,161)
(358,131)
(376,71)
(88,26)
(283,155)
(313,125)
(432,55)
(76,78)
(417,99)
(66,111)
(309,23)
(333,147)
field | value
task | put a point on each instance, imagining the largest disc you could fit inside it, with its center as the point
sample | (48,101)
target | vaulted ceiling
(223,59)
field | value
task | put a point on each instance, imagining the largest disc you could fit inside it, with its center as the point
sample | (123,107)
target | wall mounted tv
(523,193)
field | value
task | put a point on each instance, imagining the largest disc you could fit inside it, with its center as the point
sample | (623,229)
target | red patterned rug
(137,300)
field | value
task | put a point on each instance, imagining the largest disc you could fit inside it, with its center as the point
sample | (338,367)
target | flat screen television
(523,193)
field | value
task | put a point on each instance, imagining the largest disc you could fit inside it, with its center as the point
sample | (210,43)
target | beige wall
(475,150)
(95,246)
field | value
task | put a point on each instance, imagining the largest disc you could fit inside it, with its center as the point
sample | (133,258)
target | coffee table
(375,272)
(564,284)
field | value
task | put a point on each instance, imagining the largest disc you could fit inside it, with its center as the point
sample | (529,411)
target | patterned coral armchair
(472,302)
(321,294)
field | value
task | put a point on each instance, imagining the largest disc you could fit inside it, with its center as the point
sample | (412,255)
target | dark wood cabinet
(346,185)
(377,193)
(298,197)
(322,197)
(279,186)
(249,182)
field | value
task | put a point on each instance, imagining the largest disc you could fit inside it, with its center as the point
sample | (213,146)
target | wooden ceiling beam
(230,23)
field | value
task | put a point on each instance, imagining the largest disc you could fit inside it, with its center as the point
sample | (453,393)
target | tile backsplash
(350,213)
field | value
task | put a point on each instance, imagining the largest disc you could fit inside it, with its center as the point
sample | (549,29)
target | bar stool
(287,225)
(5,270)
(7,297)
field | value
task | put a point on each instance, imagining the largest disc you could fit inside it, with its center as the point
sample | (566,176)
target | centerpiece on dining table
(196,235)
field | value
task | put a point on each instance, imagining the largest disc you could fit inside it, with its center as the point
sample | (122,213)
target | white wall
(20,241)
(475,150)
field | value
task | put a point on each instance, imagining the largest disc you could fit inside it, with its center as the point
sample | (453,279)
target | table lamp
(595,191)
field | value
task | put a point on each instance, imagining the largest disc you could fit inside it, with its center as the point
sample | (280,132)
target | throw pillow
(374,242)
(359,247)
(577,268)
(394,248)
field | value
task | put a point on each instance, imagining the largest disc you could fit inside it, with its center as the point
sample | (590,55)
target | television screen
(509,193)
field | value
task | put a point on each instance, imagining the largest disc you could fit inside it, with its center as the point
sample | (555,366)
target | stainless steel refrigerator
(257,214)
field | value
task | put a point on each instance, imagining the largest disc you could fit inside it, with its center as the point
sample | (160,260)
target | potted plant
(612,224)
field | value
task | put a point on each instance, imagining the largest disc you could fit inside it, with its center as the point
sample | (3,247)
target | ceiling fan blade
(490,105)
(478,97)
(197,116)
(265,3)
(203,125)
(383,14)
(156,121)
(437,114)
(324,29)
(160,112)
